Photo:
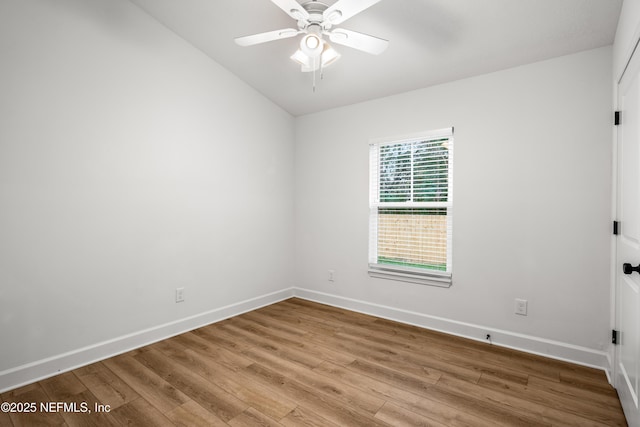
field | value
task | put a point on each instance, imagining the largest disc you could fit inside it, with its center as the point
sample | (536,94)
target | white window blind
(410,208)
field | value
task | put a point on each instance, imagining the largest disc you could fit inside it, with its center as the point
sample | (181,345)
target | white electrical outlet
(332,276)
(179,294)
(521,306)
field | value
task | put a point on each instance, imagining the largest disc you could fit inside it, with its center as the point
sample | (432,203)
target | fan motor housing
(315,9)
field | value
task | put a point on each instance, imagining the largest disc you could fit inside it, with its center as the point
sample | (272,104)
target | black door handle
(628,268)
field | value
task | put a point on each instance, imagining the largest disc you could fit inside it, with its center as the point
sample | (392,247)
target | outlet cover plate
(521,306)
(179,294)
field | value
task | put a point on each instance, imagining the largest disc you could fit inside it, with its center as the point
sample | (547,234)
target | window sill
(442,280)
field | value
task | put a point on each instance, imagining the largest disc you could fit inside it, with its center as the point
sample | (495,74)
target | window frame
(398,272)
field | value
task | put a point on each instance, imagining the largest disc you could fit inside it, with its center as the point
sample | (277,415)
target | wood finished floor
(299,363)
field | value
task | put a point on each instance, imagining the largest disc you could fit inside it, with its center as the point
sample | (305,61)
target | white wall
(130,165)
(532,180)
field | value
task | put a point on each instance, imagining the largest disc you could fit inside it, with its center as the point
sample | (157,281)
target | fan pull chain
(314,76)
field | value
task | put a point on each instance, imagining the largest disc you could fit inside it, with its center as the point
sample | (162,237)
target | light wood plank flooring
(299,363)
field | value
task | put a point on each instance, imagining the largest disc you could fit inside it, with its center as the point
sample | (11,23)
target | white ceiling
(430,42)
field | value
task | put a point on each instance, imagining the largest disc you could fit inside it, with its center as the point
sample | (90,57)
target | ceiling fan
(315,20)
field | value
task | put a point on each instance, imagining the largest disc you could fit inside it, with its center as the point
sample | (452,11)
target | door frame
(630,69)
(631,64)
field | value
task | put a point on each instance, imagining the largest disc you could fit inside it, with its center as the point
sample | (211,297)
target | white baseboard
(608,369)
(45,368)
(530,344)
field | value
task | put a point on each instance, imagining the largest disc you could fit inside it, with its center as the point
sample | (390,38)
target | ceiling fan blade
(360,41)
(266,37)
(345,9)
(292,8)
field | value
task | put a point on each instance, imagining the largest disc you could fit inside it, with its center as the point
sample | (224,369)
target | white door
(627,356)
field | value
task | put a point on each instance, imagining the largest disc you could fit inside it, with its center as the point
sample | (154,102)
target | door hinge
(616,118)
(614,336)
(616,227)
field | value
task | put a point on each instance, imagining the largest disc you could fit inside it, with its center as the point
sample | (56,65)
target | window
(410,208)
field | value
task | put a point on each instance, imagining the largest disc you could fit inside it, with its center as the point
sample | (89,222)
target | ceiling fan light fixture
(311,63)
(311,45)
(307,63)
(329,55)
(301,58)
